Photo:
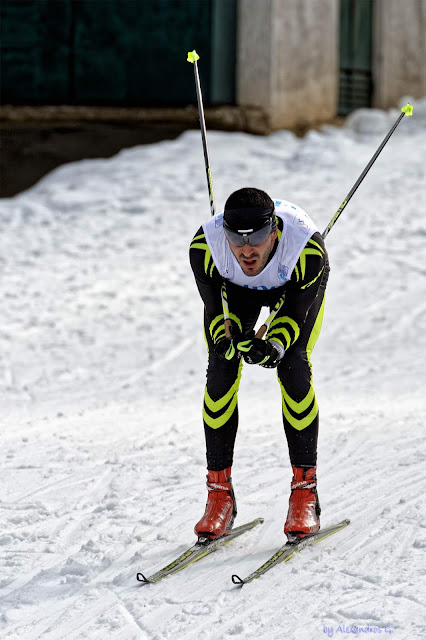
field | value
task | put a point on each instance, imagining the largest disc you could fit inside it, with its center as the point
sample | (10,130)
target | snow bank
(102,375)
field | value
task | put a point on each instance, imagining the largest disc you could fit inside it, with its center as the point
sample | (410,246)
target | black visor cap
(249,219)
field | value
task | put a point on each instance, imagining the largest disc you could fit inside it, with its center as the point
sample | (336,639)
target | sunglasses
(253,238)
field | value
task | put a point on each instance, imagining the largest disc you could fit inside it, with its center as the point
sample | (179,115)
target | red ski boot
(304,508)
(221,507)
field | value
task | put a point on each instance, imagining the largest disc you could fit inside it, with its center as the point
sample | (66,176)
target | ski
(203,547)
(289,549)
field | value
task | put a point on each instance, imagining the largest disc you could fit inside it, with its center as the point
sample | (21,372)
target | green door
(355,82)
(35,51)
(116,52)
(133,53)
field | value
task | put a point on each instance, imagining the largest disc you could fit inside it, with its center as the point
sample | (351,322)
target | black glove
(263,352)
(226,349)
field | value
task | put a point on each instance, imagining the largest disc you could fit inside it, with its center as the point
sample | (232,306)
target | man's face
(253,259)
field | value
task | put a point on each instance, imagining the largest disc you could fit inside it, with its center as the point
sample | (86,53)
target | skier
(262,249)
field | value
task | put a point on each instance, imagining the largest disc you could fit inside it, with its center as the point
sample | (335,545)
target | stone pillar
(399,51)
(287,59)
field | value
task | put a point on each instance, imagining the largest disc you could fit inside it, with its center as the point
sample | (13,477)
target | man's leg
(301,421)
(220,416)
(220,410)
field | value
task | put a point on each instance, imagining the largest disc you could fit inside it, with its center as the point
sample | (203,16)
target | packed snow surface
(102,377)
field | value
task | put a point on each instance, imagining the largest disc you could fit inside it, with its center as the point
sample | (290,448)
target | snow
(102,376)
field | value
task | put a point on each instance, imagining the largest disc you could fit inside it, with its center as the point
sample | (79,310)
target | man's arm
(300,293)
(209,283)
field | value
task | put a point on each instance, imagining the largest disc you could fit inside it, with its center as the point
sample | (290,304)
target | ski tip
(192,56)
(141,578)
(407,110)
(237,580)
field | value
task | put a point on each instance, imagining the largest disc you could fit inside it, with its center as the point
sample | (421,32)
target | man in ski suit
(262,250)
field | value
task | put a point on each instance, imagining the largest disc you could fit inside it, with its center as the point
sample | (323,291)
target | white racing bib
(297,229)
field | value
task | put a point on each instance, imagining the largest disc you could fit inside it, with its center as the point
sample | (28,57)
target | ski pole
(226,318)
(406,111)
(193,57)
(265,326)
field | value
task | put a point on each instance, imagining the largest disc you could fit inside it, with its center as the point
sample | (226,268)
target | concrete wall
(287,59)
(399,51)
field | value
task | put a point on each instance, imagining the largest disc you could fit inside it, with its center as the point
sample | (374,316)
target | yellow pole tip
(192,56)
(408,110)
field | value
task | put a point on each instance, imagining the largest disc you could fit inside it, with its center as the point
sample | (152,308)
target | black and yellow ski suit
(297,326)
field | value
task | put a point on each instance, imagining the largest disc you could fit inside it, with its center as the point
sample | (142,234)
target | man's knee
(222,376)
(295,360)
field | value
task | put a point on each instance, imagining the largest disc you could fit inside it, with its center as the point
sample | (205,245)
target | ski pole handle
(265,326)
(227,320)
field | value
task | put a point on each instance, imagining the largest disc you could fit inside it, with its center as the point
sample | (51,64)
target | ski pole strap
(406,111)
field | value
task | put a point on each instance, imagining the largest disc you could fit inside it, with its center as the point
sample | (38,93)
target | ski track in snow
(102,373)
